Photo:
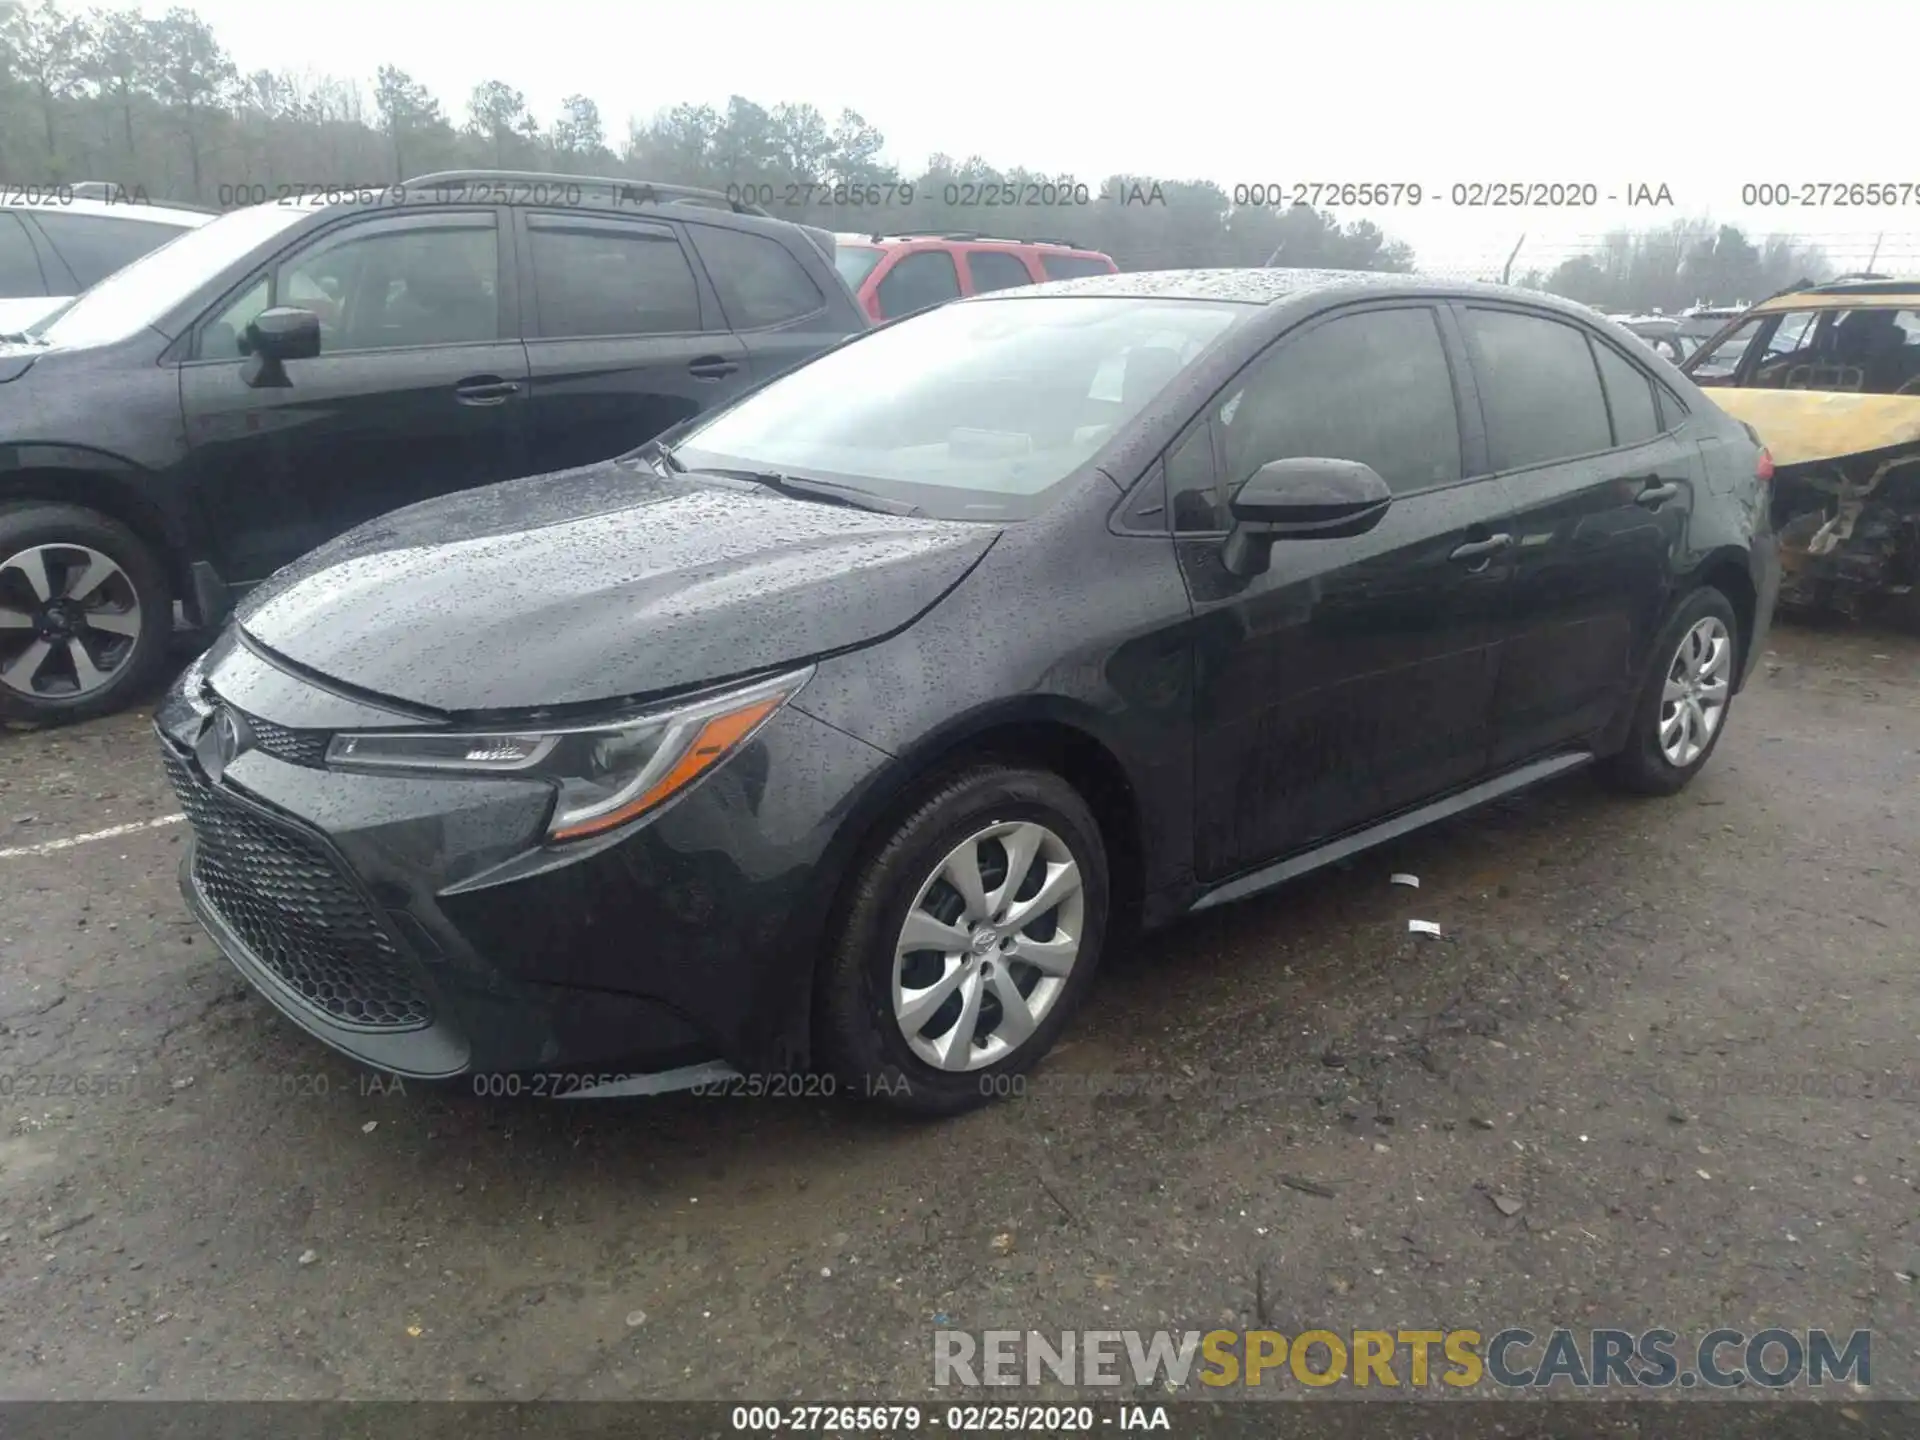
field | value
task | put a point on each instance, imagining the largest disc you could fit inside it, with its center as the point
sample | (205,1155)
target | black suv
(290,370)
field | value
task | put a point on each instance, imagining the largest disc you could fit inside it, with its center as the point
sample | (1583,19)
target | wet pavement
(1678,1039)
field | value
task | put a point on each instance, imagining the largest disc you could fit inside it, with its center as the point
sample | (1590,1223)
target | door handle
(1656,494)
(712,367)
(485,390)
(1482,550)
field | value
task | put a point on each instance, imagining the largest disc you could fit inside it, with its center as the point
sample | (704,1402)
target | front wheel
(1682,709)
(970,936)
(86,613)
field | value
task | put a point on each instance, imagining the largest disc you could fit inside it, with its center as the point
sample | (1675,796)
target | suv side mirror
(276,336)
(1313,498)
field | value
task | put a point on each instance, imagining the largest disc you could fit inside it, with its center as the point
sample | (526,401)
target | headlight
(608,773)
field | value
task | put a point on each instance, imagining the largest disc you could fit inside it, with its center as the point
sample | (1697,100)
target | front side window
(970,411)
(610,278)
(1372,387)
(918,280)
(1539,390)
(224,337)
(384,288)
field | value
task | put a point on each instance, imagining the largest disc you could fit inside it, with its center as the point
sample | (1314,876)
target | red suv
(894,275)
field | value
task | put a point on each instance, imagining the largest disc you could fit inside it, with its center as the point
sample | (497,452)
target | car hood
(17,314)
(599,584)
(1799,427)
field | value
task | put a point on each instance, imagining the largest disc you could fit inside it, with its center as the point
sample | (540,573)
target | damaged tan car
(1829,377)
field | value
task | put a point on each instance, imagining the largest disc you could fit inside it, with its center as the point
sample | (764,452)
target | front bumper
(419,925)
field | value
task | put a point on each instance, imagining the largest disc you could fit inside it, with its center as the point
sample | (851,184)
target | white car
(55,244)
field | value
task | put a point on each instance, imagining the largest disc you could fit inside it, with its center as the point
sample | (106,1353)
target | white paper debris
(1402,878)
(1423,927)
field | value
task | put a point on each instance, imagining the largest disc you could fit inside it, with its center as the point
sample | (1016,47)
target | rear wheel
(971,935)
(85,613)
(1682,709)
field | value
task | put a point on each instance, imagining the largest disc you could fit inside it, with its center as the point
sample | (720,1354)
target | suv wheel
(970,937)
(1682,709)
(85,613)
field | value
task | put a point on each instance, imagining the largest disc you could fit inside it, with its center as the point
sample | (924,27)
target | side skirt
(1279,873)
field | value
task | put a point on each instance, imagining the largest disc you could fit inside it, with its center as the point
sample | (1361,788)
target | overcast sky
(1236,91)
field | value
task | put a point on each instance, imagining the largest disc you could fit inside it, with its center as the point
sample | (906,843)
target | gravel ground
(1680,1034)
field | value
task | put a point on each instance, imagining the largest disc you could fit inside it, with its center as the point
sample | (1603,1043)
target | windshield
(140,294)
(969,411)
(856,262)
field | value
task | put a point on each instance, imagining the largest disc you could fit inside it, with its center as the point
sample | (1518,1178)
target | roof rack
(1867,285)
(976,235)
(625,192)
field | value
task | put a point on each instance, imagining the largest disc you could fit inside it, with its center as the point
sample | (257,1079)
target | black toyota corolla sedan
(828,740)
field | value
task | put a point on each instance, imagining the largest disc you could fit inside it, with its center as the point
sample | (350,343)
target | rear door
(1602,488)
(768,299)
(1354,677)
(625,338)
(417,390)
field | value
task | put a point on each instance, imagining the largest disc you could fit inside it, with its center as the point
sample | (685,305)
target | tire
(133,597)
(1644,766)
(859,1037)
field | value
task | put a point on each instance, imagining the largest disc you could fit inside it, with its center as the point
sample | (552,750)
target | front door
(418,388)
(1353,678)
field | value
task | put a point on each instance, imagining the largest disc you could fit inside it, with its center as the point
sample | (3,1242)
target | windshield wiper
(799,487)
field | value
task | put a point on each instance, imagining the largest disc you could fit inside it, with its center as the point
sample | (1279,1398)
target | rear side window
(996,270)
(1539,390)
(917,280)
(19,266)
(758,281)
(1072,267)
(1372,387)
(1629,396)
(95,246)
(609,278)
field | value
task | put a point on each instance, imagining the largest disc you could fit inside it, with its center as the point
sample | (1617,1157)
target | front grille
(300,917)
(296,747)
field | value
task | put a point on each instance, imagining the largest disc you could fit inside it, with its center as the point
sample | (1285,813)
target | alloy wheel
(987,946)
(1699,684)
(69,619)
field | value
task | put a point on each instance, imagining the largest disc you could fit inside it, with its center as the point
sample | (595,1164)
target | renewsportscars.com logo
(1512,1359)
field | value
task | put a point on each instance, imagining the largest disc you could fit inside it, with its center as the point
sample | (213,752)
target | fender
(109,483)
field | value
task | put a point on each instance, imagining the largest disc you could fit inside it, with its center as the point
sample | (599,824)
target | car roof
(153,212)
(1272,286)
(1845,294)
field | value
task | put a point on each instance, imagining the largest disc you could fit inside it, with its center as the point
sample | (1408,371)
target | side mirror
(1313,498)
(275,337)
